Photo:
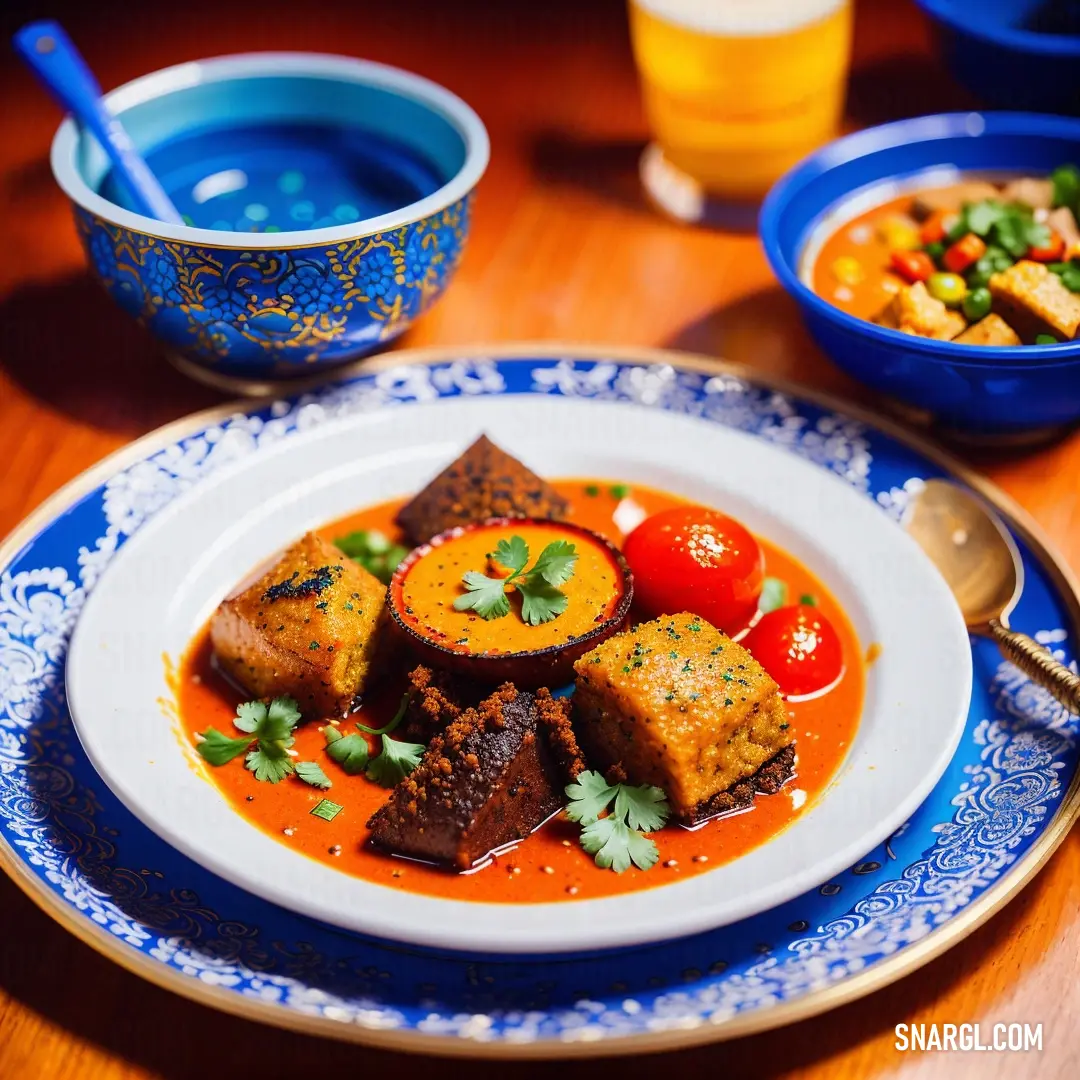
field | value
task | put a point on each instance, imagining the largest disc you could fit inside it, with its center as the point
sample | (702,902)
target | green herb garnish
(217,748)
(326,809)
(1066,181)
(773,595)
(808,599)
(541,597)
(1069,272)
(396,761)
(619,491)
(349,751)
(392,726)
(1045,339)
(374,551)
(617,840)
(311,773)
(267,739)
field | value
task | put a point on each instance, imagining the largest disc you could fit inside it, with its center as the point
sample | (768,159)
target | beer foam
(741,18)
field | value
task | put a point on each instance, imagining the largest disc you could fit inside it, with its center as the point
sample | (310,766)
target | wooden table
(563,248)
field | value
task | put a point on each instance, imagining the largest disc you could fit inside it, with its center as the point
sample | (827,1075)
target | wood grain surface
(562,247)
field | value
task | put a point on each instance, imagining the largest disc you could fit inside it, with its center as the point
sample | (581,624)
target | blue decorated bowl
(1019,392)
(1005,52)
(326,203)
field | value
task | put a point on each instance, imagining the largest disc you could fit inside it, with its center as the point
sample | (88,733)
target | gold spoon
(979,560)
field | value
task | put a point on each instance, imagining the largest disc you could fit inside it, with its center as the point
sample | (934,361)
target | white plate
(169,577)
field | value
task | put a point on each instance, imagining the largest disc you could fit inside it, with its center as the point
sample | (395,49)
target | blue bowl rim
(278,64)
(1024,41)
(902,133)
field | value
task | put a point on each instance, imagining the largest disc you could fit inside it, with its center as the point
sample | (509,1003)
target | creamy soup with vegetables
(976,262)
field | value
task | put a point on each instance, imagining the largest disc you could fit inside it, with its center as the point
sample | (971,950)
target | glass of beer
(737,91)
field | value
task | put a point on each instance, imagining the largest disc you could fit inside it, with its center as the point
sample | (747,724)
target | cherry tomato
(912,266)
(1052,252)
(690,558)
(798,647)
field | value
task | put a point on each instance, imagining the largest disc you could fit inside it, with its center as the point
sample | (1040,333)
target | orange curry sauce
(549,865)
(863,239)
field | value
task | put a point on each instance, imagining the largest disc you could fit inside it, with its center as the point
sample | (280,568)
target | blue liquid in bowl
(267,177)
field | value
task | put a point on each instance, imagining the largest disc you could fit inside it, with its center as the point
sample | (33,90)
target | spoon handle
(1037,663)
(52,56)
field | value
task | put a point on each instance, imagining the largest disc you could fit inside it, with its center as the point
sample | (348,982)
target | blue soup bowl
(998,392)
(326,203)
(1004,52)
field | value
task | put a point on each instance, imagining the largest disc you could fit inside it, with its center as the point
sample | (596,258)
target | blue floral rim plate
(1005,802)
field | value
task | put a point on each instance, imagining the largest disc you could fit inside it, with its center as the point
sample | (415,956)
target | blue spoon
(52,56)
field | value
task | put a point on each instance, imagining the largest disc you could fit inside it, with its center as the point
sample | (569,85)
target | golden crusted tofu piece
(307,628)
(1034,300)
(914,311)
(990,330)
(952,197)
(676,703)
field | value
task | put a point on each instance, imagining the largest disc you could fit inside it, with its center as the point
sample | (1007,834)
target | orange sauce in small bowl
(549,865)
(424,594)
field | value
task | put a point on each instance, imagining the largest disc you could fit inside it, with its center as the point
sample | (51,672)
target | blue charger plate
(1005,802)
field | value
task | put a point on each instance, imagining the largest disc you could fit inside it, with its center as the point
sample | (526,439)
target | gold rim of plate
(812,1004)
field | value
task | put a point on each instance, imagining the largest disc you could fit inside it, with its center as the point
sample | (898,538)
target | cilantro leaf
(1069,272)
(396,761)
(486,596)
(540,602)
(249,715)
(311,773)
(1066,181)
(773,595)
(269,765)
(218,749)
(981,217)
(283,712)
(349,751)
(403,708)
(512,553)
(614,845)
(589,797)
(644,807)
(541,599)
(373,550)
(556,563)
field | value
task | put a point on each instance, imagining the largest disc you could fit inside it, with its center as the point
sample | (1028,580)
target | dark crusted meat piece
(438,698)
(485,482)
(495,774)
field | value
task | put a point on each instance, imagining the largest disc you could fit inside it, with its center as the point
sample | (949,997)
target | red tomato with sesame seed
(690,558)
(798,647)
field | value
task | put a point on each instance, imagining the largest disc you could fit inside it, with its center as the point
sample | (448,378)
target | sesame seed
(288,830)
(547,869)
(566,843)
(701,858)
(572,890)
(335,849)
(670,863)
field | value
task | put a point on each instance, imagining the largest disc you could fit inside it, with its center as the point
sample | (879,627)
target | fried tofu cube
(1034,191)
(990,330)
(676,703)
(912,310)
(308,628)
(1034,301)
(485,482)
